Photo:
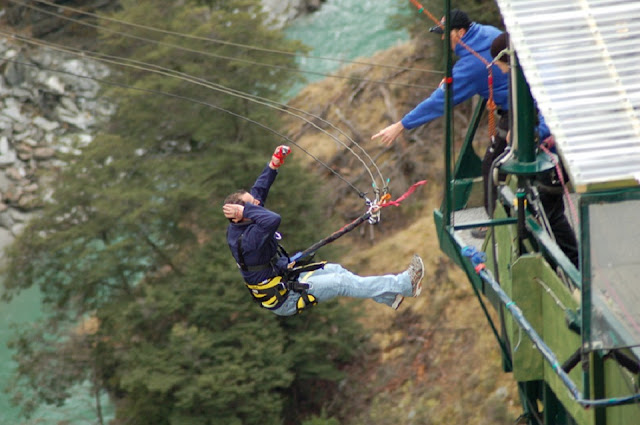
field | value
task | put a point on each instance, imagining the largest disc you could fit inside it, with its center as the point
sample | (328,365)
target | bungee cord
(214,86)
(223,42)
(213,55)
(130,63)
(197,101)
(372,215)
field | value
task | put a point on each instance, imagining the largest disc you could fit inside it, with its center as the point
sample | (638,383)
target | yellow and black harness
(272,293)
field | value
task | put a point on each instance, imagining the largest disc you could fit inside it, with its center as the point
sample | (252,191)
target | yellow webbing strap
(306,299)
(268,293)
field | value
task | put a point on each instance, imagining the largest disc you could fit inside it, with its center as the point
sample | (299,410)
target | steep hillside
(436,359)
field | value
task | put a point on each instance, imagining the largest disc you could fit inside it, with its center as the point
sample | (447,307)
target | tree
(132,241)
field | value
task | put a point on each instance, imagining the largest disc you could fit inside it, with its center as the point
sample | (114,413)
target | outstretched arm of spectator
(390,133)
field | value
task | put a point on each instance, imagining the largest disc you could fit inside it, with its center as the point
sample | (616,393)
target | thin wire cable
(213,55)
(229,43)
(201,102)
(382,182)
(273,104)
(185,77)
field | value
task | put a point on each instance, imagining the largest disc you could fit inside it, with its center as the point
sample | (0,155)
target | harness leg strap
(305,300)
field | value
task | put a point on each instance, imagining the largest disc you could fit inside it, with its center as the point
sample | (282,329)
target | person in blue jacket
(548,184)
(277,284)
(470,77)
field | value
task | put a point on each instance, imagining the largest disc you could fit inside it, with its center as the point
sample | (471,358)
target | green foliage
(133,241)
(203,70)
(321,420)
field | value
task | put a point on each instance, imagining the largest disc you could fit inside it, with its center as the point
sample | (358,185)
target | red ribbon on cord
(404,196)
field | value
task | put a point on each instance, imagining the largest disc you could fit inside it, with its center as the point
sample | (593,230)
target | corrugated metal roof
(581,59)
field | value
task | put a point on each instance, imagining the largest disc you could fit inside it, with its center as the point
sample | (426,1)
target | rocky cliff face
(42,20)
(45,108)
(284,11)
(42,113)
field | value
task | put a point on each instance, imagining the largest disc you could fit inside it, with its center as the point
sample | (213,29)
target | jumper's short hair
(235,197)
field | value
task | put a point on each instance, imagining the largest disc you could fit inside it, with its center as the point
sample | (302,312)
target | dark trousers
(549,188)
(552,200)
(494,150)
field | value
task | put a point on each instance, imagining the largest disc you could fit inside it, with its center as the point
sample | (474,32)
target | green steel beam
(448,110)
(526,160)
(585,291)
(469,165)
(549,247)
(599,390)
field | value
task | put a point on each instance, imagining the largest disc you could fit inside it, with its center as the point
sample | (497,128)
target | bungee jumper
(286,287)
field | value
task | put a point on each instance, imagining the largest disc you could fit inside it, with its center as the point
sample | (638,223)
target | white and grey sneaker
(397,302)
(416,273)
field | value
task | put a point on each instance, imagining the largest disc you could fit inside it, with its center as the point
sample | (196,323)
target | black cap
(459,19)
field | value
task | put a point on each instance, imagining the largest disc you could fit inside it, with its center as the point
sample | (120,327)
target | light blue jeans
(336,281)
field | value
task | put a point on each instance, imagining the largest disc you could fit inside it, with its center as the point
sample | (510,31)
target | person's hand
(390,133)
(279,155)
(234,212)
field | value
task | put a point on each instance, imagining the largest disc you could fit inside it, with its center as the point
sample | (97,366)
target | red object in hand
(282,152)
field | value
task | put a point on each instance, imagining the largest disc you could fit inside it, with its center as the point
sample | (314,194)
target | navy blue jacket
(259,243)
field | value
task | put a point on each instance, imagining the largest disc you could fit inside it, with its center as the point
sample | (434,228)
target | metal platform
(468,216)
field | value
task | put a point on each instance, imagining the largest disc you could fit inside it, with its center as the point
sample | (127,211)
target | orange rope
(422,9)
(491,107)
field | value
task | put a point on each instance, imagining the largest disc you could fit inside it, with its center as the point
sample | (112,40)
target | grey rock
(5,183)
(281,12)
(17,229)
(54,84)
(6,238)
(45,124)
(15,174)
(19,216)
(7,155)
(44,153)
(13,110)
(15,72)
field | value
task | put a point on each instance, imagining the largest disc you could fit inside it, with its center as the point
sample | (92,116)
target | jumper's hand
(279,156)
(390,133)
(234,212)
